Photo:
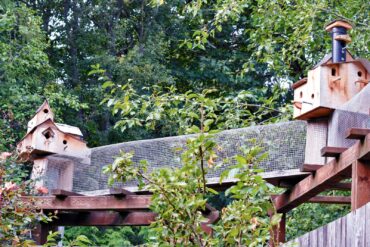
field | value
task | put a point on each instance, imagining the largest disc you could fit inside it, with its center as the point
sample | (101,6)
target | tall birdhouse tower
(334,80)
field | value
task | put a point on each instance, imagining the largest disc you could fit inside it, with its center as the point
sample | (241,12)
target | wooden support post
(41,233)
(360,184)
(278,232)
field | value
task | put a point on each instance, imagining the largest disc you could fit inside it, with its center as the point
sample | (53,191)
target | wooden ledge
(119,192)
(357,133)
(332,151)
(62,194)
(311,167)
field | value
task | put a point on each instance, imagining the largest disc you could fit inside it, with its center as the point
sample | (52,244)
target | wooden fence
(352,230)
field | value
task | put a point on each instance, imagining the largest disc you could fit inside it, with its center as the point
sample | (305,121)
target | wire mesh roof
(284,142)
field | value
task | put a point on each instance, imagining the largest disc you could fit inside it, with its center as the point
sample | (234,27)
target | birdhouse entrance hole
(48,133)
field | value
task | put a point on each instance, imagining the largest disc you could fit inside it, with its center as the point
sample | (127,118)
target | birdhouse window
(359,73)
(48,134)
(46,111)
(65,142)
(333,72)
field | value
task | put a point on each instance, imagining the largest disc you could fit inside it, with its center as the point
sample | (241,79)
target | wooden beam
(360,184)
(278,233)
(330,199)
(339,186)
(311,167)
(357,133)
(104,218)
(333,172)
(120,192)
(89,203)
(61,194)
(213,217)
(326,199)
(332,151)
(330,186)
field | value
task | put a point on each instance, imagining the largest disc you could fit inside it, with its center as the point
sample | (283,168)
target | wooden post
(278,232)
(38,172)
(360,184)
(41,233)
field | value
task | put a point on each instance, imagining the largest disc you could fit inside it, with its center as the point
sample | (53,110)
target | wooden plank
(360,215)
(340,186)
(89,203)
(104,218)
(367,224)
(330,199)
(120,192)
(326,199)
(360,184)
(61,194)
(333,172)
(357,133)
(332,151)
(311,167)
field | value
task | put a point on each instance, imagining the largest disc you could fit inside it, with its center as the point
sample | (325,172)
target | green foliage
(179,195)
(114,236)
(17,217)
(310,216)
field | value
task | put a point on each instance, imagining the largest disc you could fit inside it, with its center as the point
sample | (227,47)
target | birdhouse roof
(364,62)
(64,128)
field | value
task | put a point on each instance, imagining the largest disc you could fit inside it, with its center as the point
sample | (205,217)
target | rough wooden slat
(89,203)
(61,194)
(332,151)
(120,192)
(357,133)
(104,219)
(335,171)
(367,224)
(311,167)
(360,184)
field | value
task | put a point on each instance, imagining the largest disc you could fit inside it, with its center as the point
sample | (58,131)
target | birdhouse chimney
(340,39)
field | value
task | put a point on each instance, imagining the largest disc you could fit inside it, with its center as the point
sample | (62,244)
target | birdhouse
(333,81)
(44,137)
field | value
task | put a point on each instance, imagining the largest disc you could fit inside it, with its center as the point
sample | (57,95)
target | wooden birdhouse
(333,81)
(44,137)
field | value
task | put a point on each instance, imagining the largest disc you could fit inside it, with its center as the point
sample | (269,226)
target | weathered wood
(104,218)
(330,199)
(360,184)
(90,203)
(299,83)
(339,186)
(350,230)
(326,199)
(333,172)
(311,167)
(120,192)
(61,194)
(357,133)
(278,232)
(332,151)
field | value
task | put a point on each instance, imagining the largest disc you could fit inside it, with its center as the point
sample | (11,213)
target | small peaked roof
(365,63)
(69,129)
(44,105)
(338,23)
(329,56)
(64,128)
